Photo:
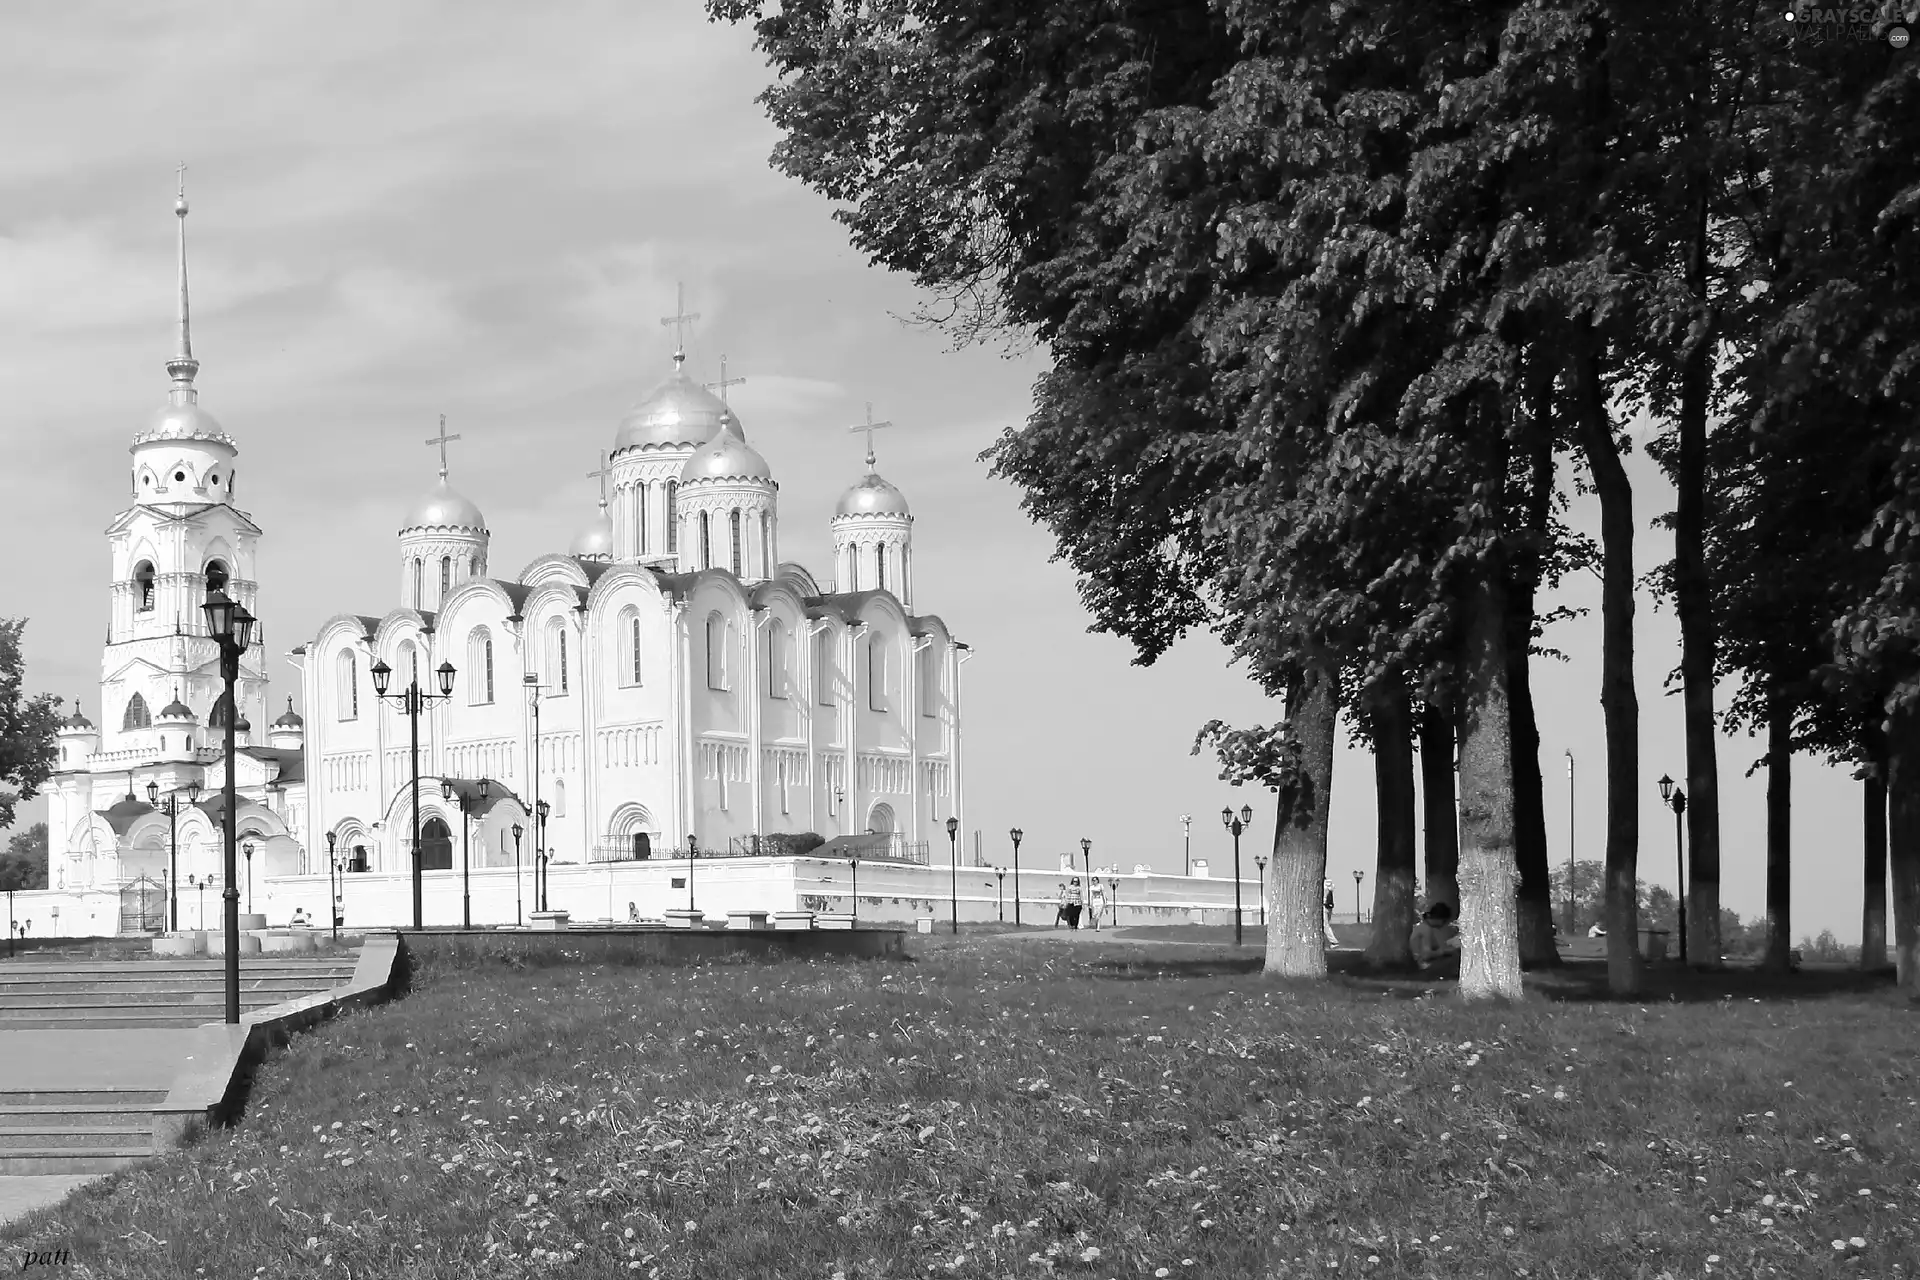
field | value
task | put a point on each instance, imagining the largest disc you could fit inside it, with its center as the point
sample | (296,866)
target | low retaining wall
(645,946)
(211,1088)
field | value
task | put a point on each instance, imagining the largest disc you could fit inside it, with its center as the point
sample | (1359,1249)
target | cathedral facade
(666,683)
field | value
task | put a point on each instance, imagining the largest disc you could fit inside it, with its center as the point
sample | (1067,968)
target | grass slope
(999,1107)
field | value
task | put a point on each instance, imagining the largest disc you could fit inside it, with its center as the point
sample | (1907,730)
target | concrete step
(46,1137)
(130,1098)
(55,1160)
(79,1115)
(96,995)
(148,971)
(120,1019)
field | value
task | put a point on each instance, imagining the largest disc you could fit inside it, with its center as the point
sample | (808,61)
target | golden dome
(595,541)
(678,412)
(727,456)
(444,508)
(872,497)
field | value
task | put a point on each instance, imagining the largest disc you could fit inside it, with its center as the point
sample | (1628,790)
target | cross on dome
(680,320)
(725,382)
(602,474)
(870,426)
(443,439)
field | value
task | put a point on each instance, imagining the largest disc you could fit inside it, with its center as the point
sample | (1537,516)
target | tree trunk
(1903,844)
(1618,702)
(1779,833)
(1394,858)
(1535,906)
(1442,838)
(1489,943)
(1693,602)
(1296,940)
(1873,901)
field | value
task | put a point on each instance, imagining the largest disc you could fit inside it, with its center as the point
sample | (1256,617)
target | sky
(483,210)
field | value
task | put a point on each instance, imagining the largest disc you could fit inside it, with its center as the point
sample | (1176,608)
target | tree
(27,727)
(24,864)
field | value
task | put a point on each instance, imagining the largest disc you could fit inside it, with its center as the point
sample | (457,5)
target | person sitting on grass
(1435,937)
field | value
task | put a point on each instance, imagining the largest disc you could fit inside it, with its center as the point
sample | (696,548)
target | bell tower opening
(216,576)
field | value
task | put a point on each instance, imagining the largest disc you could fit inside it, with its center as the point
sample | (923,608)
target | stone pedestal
(283,941)
(829,921)
(684,919)
(925,924)
(179,944)
(217,943)
(746,919)
(793,919)
(251,921)
(548,921)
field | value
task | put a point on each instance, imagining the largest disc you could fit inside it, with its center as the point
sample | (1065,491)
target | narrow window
(473,567)
(419,584)
(733,528)
(673,515)
(877,672)
(629,640)
(560,657)
(640,515)
(776,659)
(929,680)
(716,652)
(823,668)
(880,566)
(706,542)
(446,575)
(347,676)
(480,664)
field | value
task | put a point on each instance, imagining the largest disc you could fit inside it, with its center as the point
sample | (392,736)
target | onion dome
(178,710)
(595,541)
(184,422)
(289,719)
(727,456)
(872,497)
(679,413)
(243,725)
(77,722)
(445,508)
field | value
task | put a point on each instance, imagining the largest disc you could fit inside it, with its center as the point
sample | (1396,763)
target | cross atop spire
(602,474)
(869,426)
(183,366)
(442,440)
(725,382)
(680,320)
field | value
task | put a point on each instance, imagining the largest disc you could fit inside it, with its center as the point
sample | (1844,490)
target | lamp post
(1086,858)
(540,811)
(518,831)
(1358,876)
(467,805)
(1000,874)
(1237,824)
(1676,799)
(1016,833)
(200,912)
(853,866)
(1260,861)
(412,700)
(333,888)
(1570,919)
(231,627)
(1113,899)
(693,851)
(1186,829)
(10,928)
(953,869)
(247,849)
(172,809)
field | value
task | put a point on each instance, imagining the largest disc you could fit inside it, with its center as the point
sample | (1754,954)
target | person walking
(1064,911)
(1097,902)
(1326,912)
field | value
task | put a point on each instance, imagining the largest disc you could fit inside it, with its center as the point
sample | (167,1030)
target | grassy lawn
(999,1107)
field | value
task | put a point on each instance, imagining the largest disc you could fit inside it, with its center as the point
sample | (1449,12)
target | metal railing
(879,846)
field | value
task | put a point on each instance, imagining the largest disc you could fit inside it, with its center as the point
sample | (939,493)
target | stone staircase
(81,1009)
(104,994)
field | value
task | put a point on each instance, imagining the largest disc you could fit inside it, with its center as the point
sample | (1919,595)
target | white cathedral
(667,683)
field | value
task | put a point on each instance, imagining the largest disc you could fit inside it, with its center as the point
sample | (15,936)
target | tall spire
(183,366)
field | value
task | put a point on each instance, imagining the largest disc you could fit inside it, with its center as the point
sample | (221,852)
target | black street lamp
(540,811)
(853,865)
(1016,833)
(518,831)
(953,869)
(1000,874)
(693,851)
(1086,856)
(468,803)
(1260,861)
(231,627)
(1570,918)
(1237,825)
(1676,799)
(247,849)
(1186,832)
(172,809)
(333,888)
(412,700)
(1358,876)
(200,883)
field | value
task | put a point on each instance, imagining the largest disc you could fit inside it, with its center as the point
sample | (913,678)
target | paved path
(22,1194)
(130,1058)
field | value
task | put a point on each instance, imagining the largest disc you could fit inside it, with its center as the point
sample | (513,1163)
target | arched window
(673,515)
(406,666)
(706,542)
(929,680)
(446,575)
(346,674)
(480,664)
(628,636)
(137,716)
(766,545)
(419,584)
(143,586)
(776,659)
(473,567)
(716,651)
(556,656)
(823,668)
(880,565)
(877,672)
(558,797)
(733,529)
(640,516)
(216,575)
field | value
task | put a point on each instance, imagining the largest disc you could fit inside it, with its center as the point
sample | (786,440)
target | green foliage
(27,727)
(24,864)
(784,844)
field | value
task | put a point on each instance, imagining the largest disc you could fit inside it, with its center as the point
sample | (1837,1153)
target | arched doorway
(436,846)
(880,819)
